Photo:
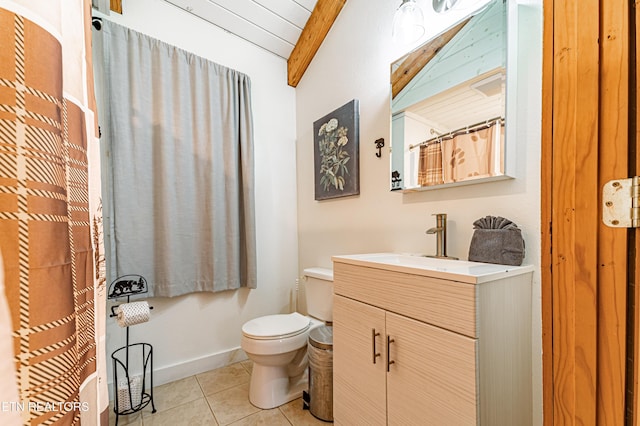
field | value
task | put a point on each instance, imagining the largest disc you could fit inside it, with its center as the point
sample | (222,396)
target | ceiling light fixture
(490,86)
(408,22)
(442,6)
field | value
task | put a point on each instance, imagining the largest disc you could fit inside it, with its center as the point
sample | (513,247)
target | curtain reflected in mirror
(448,105)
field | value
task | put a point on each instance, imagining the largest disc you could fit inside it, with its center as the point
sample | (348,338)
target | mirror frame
(513,40)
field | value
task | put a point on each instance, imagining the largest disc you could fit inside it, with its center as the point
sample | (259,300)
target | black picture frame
(336,151)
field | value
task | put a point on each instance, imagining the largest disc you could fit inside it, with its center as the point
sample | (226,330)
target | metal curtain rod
(460,131)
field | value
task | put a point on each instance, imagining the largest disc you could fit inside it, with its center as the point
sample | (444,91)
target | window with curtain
(178,166)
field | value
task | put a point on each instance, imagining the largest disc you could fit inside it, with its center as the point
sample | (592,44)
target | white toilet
(277,344)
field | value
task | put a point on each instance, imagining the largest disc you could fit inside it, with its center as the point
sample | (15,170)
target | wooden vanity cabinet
(360,383)
(416,350)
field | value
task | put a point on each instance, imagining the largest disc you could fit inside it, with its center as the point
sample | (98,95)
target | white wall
(353,62)
(198,332)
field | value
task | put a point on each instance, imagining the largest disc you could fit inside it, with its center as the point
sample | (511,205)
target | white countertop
(448,269)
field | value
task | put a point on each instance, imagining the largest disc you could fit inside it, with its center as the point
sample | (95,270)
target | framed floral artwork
(336,153)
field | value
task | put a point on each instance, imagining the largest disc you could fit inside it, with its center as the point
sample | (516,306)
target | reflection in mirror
(448,106)
(442,6)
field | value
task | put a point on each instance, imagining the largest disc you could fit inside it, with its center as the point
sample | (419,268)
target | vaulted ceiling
(291,29)
(274,25)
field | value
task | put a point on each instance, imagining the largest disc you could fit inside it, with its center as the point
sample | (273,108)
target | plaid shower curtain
(46,128)
(430,165)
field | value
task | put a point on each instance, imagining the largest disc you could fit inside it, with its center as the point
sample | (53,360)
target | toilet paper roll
(133,313)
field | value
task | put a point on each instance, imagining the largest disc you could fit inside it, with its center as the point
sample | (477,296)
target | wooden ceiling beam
(324,14)
(420,57)
(116,6)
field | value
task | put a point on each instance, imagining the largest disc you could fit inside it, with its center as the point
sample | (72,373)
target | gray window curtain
(178,164)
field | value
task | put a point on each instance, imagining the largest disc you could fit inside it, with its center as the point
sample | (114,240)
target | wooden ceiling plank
(264,18)
(322,18)
(229,21)
(307,4)
(288,10)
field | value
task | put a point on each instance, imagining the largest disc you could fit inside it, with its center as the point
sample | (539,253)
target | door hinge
(621,203)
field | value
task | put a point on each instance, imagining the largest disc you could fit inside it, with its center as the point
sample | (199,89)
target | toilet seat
(273,327)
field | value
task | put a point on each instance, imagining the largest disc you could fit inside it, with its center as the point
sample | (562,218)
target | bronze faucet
(441,235)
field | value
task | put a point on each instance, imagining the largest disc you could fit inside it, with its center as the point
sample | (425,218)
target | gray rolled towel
(496,240)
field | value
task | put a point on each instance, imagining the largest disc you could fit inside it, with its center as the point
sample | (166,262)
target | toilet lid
(276,326)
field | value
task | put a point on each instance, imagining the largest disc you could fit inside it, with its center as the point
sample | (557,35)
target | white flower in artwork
(332,125)
(333,158)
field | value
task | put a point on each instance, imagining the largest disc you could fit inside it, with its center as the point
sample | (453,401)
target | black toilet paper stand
(135,396)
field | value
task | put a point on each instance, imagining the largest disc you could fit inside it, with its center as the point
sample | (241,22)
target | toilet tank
(319,293)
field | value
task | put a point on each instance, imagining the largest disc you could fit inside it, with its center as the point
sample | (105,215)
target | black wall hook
(96,22)
(379,144)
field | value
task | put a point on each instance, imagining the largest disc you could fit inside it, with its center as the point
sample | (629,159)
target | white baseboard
(179,371)
(171,373)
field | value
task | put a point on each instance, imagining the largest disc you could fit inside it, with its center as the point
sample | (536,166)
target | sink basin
(458,270)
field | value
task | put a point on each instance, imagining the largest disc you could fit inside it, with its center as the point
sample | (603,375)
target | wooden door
(433,379)
(587,117)
(359,383)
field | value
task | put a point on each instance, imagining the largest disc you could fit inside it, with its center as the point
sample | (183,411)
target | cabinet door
(432,380)
(359,396)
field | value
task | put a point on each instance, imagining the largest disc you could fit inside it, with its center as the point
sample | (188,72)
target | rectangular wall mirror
(450,101)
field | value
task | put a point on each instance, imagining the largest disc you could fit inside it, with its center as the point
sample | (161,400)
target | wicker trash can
(320,352)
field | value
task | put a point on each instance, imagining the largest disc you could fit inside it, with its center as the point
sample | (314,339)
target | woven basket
(135,384)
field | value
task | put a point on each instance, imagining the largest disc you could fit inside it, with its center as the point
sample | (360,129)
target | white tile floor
(216,397)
